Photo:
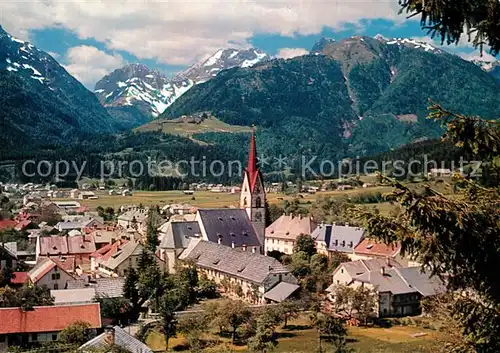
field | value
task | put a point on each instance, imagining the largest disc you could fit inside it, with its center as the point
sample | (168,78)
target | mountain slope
(137,86)
(223,59)
(40,101)
(136,93)
(360,95)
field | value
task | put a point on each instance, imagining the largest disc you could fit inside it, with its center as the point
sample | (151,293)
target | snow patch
(233,54)
(148,86)
(213,59)
(417,44)
(35,71)
(250,63)
(14,39)
(160,106)
(8,60)
(10,68)
(109,94)
(149,76)
(24,50)
(121,84)
(39,79)
(99,91)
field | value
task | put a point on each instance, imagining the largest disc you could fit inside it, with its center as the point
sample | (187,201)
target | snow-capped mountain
(223,59)
(42,98)
(408,42)
(137,85)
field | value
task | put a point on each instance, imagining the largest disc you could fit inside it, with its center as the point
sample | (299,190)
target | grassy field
(301,338)
(207,199)
(183,128)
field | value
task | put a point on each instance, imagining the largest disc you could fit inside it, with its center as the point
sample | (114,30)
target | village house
(8,255)
(67,206)
(76,248)
(331,238)
(175,238)
(43,323)
(245,274)
(85,195)
(116,337)
(132,218)
(399,289)
(103,237)
(104,253)
(179,209)
(78,224)
(347,271)
(49,272)
(282,233)
(369,249)
(126,257)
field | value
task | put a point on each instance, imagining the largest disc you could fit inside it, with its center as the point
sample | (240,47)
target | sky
(91,38)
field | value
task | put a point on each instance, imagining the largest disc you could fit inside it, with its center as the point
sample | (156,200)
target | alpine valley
(357,96)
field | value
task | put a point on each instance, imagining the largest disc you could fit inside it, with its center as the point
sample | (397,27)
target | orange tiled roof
(19,277)
(7,224)
(48,318)
(371,247)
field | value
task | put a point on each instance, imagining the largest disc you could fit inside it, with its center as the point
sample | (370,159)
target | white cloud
(89,64)
(177,32)
(288,53)
(476,55)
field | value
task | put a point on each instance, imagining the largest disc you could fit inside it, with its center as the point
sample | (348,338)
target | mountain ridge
(41,99)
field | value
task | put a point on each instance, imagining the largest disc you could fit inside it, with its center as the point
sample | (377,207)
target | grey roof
(281,291)
(71,225)
(124,252)
(177,234)
(242,264)
(422,281)
(403,281)
(11,248)
(356,268)
(122,339)
(337,237)
(104,287)
(230,225)
(390,281)
(73,296)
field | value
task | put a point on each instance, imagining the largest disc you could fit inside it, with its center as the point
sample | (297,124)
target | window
(2,338)
(34,337)
(54,337)
(341,270)
(56,286)
(258,202)
(56,276)
(245,201)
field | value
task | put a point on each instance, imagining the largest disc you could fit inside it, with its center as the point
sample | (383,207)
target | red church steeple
(252,156)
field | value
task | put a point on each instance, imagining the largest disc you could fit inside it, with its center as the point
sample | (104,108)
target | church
(240,228)
(227,245)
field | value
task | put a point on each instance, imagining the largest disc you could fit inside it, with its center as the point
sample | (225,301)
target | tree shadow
(285,335)
(297,327)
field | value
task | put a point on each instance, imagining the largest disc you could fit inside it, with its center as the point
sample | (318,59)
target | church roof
(230,225)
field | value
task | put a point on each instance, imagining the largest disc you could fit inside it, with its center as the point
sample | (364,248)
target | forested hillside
(357,96)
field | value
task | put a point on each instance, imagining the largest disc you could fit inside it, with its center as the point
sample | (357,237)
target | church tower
(253,195)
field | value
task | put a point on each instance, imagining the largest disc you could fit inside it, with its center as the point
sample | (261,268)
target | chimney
(388,261)
(253,250)
(88,279)
(347,224)
(382,270)
(244,247)
(232,244)
(109,335)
